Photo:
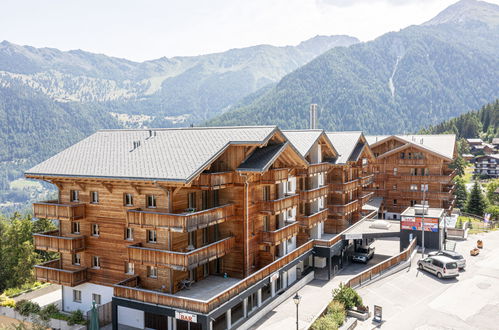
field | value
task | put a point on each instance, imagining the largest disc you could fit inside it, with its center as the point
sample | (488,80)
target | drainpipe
(246,216)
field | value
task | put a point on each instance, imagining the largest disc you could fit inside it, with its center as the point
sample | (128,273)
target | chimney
(313,116)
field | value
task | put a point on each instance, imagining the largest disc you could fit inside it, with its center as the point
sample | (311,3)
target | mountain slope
(400,82)
(196,87)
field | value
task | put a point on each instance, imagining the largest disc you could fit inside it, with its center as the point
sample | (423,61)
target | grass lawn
(477,226)
(468,174)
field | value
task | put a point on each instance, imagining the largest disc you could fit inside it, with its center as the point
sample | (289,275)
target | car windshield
(362,250)
(457,257)
(451,265)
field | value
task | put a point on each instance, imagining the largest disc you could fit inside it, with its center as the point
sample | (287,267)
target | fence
(105,313)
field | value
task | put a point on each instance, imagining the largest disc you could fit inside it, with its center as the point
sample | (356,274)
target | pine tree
(459,164)
(461,193)
(476,202)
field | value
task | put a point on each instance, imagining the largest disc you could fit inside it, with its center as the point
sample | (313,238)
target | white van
(441,266)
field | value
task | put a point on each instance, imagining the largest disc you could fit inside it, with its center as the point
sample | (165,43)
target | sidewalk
(317,294)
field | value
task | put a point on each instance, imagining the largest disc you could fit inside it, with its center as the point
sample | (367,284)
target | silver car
(457,257)
(441,266)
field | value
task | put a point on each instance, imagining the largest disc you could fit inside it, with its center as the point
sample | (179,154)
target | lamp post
(296,299)
(422,222)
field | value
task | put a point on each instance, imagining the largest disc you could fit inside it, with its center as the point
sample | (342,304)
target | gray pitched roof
(303,140)
(344,143)
(168,155)
(442,144)
(262,158)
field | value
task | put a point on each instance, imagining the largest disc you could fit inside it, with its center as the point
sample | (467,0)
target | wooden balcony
(275,175)
(344,187)
(310,195)
(129,289)
(180,260)
(59,211)
(215,180)
(52,241)
(338,209)
(315,168)
(365,197)
(279,205)
(53,272)
(445,178)
(418,195)
(366,180)
(310,221)
(277,236)
(179,222)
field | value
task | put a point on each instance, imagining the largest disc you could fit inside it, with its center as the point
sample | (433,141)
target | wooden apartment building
(412,167)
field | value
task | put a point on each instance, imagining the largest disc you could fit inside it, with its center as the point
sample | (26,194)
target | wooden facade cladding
(276,237)
(275,175)
(180,260)
(180,222)
(345,209)
(130,288)
(342,187)
(367,180)
(54,242)
(310,195)
(365,197)
(279,205)
(59,211)
(309,221)
(53,272)
(216,180)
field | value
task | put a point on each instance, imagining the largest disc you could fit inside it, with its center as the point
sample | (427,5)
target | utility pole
(422,221)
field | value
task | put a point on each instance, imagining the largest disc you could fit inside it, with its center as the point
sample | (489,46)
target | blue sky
(147,29)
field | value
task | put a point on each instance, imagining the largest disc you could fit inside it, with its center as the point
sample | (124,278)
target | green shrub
(337,311)
(7,302)
(76,317)
(26,307)
(347,296)
(48,312)
(26,287)
(326,322)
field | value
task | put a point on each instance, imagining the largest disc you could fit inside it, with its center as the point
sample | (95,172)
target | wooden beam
(108,186)
(135,189)
(176,190)
(57,184)
(79,185)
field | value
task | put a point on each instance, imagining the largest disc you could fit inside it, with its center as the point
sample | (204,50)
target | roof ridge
(183,128)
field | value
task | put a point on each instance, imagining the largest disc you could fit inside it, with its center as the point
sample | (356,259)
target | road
(413,299)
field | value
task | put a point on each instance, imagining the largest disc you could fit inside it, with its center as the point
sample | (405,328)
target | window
(414,187)
(95,230)
(204,199)
(364,161)
(290,213)
(96,297)
(402,155)
(74,195)
(394,187)
(95,262)
(426,171)
(395,171)
(289,186)
(152,272)
(206,269)
(129,268)
(152,236)
(414,171)
(129,234)
(424,187)
(77,296)
(216,199)
(394,202)
(128,200)
(205,235)
(191,200)
(151,201)
(75,227)
(376,154)
(413,202)
(76,259)
(266,193)
(266,223)
(409,155)
(94,197)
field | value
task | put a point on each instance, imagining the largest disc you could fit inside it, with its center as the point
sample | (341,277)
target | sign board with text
(186,317)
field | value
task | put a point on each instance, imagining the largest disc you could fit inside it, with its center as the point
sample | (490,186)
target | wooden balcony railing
(214,180)
(129,288)
(310,221)
(180,260)
(278,205)
(407,177)
(315,168)
(310,195)
(59,211)
(365,197)
(277,236)
(180,222)
(52,241)
(418,195)
(53,272)
(345,209)
(275,175)
(344,187)
(366,180)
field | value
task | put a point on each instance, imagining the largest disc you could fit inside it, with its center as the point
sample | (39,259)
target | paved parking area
(413,299)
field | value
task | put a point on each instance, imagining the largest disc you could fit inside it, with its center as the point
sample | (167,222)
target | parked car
(441,266)
(363,254)
(457,257)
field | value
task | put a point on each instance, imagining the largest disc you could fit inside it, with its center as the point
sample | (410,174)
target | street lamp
(296,299)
